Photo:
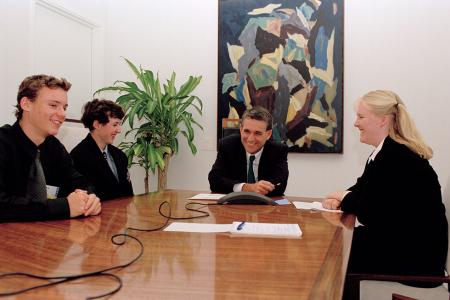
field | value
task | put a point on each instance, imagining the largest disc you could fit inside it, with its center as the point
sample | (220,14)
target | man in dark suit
(95,157)
(251,162)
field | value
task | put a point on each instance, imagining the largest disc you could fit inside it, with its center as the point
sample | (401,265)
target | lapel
(95,150)
(384,152)
(382,157)
(100,162)
(264,158)
(241,162)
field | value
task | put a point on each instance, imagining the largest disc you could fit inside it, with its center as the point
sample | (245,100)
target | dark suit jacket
(230,167)
(89,161)
(17,153)
(398,199)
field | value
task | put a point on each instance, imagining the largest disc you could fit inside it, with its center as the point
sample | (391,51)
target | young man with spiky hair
(37,177)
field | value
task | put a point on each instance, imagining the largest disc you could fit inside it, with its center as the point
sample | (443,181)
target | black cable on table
(55,280)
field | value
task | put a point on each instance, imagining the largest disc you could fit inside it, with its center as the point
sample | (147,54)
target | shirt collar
(377,149)
(94,144)
(257,154)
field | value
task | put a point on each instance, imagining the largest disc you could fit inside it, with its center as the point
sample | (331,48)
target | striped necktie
(111,165)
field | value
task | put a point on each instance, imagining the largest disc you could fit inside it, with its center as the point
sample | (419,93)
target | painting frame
(287,56)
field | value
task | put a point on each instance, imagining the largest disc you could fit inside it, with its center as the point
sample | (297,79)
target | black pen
(241,225)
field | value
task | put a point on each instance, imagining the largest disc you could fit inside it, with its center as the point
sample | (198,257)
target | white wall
(17,44)
(401,45)
(164,36)
(3,24)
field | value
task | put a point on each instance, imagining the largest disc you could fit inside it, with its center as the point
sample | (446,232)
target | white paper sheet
(266,229)
(198,227)
(207,197)
(248,229)
(314,206)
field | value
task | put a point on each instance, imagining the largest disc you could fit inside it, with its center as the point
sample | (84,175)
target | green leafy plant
(155,116)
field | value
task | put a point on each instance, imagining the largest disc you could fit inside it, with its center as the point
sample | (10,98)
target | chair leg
(401,297)
(351,288)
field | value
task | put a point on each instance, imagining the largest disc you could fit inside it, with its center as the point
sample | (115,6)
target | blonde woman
(397,198)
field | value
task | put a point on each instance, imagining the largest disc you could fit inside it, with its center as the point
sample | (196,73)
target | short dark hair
(31,86)
(258,113)
(100,110)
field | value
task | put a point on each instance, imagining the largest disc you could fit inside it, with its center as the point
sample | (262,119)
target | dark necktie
(37,188)
(250,174)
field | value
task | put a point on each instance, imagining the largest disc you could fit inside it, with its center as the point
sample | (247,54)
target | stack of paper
(241,228)
(207,197)
(266,229)
(197,227)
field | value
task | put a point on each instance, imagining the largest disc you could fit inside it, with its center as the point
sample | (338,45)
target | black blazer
(230,167)
(17,153)
(89,161)
(398,199)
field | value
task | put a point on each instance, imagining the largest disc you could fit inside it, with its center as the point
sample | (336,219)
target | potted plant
(156,117)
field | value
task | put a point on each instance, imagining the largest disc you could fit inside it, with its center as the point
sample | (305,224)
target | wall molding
(96,36)
(67,13)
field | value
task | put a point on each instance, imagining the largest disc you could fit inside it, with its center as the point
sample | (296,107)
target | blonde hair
(402,128)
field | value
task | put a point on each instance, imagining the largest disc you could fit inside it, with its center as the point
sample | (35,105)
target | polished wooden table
(178,265)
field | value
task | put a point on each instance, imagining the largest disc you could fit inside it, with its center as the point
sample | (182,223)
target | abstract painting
(286,56)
